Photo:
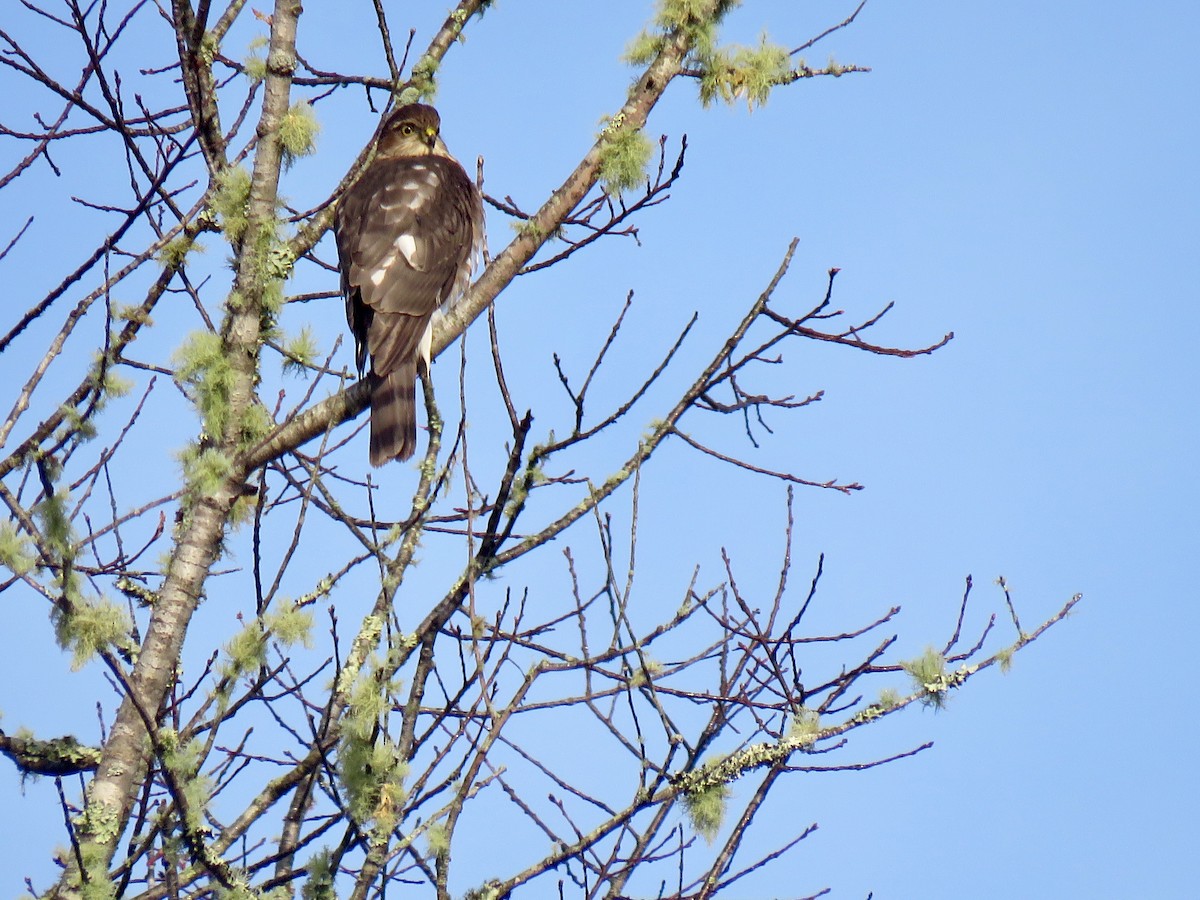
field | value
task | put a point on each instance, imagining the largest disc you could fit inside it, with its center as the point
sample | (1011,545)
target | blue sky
(1022,174)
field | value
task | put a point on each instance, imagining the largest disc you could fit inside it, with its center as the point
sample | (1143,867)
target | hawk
(407,235)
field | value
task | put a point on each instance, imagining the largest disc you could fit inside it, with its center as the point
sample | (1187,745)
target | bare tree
(343,720)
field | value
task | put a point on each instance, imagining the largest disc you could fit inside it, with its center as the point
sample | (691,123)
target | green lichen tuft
(256,424)
(422,85)
(291,625)
(747,73)
(75,425)
(367,702)
(300,353)
(643,48)
(203,366)
(255,63)
(273,264)
(319,884)
(369,763)
(245,652)
(706,809)
(16,550)
(184,762)
(372,627)
(124,313)
(928,672)
(206,471)
(373,776)
(889,698)
(229,201)
(56,525)
(298,132)
(695,19)
(173,253)
(805,727)
(625,154)
(646,673)
(85,627)
(1005,659)
(489,890)
(96,883)
(210,47)
(241,889)
(438,837)
(530,228)
(686,14)
(112,384)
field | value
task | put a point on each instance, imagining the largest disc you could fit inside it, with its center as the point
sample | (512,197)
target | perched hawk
(407,235)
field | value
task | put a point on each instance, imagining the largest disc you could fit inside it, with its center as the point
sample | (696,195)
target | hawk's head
(412,130)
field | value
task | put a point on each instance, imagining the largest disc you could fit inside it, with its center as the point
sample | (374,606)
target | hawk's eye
(407,128)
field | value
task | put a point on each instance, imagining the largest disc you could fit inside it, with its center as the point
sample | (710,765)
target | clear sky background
(1022,174)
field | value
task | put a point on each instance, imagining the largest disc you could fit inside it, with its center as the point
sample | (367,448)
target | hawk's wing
(407,233)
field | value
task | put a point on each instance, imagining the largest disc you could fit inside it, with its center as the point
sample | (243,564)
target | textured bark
(125,757)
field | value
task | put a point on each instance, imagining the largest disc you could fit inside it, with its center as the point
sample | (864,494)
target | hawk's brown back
(407,233)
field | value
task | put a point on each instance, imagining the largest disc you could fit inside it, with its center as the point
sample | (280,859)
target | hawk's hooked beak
(429,138)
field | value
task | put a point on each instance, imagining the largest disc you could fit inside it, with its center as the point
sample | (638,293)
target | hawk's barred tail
(394,415)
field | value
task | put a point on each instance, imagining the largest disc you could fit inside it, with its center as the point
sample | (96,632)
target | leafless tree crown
(179,460)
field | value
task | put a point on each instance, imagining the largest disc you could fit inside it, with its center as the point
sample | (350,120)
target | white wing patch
(381,273)
(407,244)
(425,347)
(407,203)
